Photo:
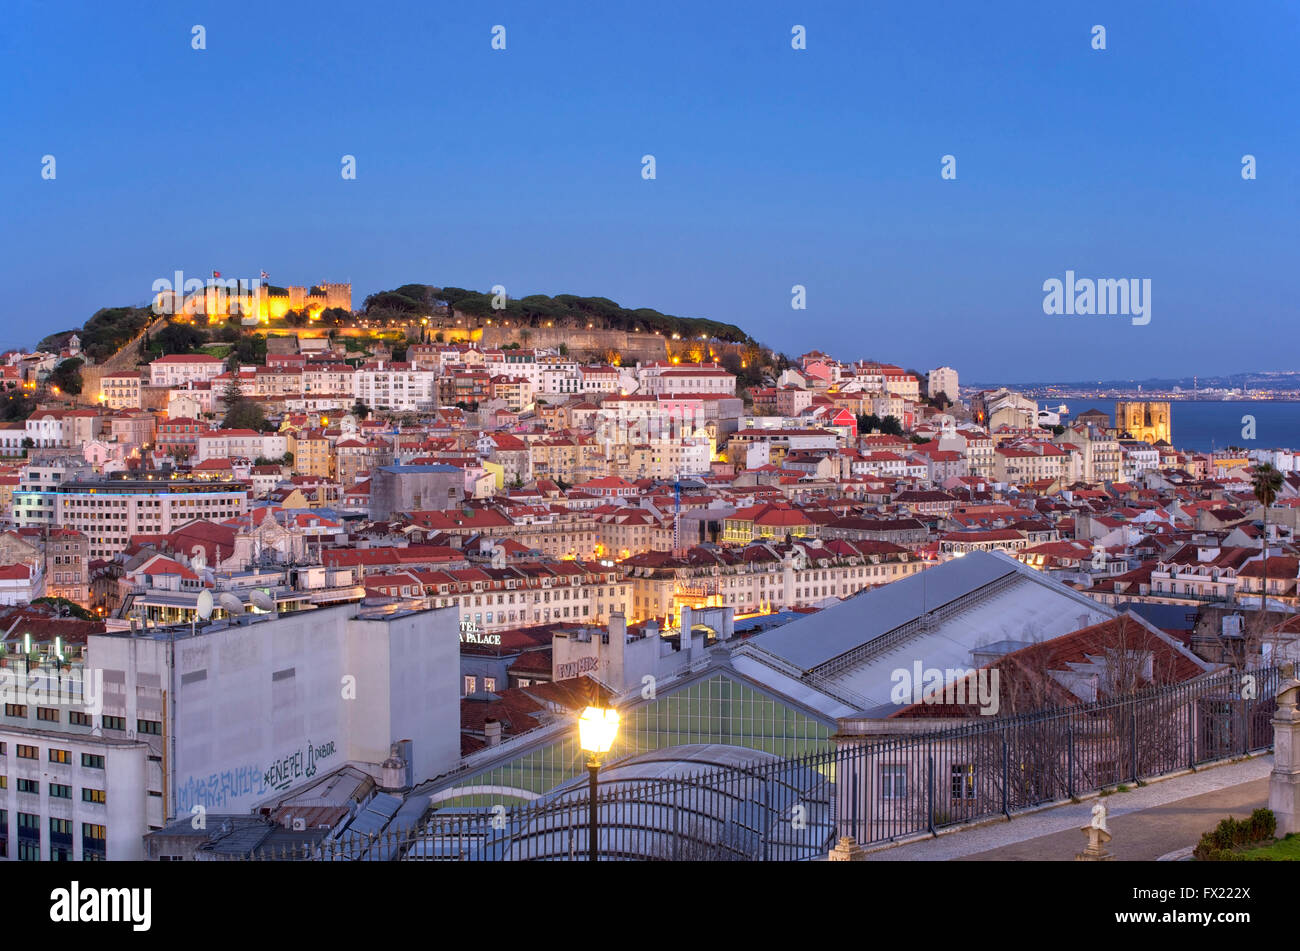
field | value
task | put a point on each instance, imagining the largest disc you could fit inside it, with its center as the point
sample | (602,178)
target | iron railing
(891,787)
(876,789)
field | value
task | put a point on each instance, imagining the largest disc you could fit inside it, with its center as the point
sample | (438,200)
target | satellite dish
(232,605)
(204,607)
(262,601)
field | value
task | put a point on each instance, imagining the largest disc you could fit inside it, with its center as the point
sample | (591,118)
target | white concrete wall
(263,707)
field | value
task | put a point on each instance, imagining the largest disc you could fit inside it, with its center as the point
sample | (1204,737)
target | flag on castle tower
(265,276)
(216,273)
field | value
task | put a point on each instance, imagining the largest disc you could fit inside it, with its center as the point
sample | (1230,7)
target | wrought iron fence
(890,787)
(876,789)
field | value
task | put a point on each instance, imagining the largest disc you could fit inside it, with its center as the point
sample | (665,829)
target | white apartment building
(180,368)
(1284,460)
(110,511)
(331,379)
(532,596)
(560,381)
(942,380)
(33,501)
(401,390)
(685,379)
(120,390)
(47,431)
(1137,458)
(241,443)
(978,449)
(22,583)
(191,403)
(71,796)
(546,373)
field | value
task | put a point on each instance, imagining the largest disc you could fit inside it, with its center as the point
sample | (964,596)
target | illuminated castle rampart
(256,301)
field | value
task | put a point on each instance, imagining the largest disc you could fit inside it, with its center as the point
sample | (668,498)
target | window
(151,727)
(48,714)
(32,786)
(893,782)
(471,685)
(27,752)
(92,795)
(60,839)
(963,781)
(18,710)
(77,718)
(60,791)
(92,761)
(489,684)
(114,723)
(60,756)
(93,838)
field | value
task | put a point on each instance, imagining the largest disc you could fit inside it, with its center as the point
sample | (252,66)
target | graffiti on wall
(301,764)
(223,789)
(216,790)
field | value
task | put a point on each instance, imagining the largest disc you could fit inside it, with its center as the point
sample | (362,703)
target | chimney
(492,732)
(393,771)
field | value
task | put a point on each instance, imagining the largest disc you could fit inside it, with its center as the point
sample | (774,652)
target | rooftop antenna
(232,605)
(203,610)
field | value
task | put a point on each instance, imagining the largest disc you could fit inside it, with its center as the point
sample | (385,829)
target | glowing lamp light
(597,729)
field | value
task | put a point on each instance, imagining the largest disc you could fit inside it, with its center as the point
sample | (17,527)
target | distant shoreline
(1160,398)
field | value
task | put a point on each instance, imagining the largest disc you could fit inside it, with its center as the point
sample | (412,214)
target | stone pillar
(1284,783)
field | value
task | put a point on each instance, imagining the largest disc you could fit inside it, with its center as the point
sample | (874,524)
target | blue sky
(775,167)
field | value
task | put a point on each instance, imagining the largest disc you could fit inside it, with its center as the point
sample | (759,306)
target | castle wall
(582,344)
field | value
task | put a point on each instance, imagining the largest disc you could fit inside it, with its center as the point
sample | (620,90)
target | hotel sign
(470,634)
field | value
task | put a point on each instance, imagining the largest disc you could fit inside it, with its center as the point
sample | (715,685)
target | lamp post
(597,728)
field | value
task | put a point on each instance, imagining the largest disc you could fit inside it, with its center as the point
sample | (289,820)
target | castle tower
(338,295)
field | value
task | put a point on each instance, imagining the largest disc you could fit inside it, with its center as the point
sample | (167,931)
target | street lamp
(597,728)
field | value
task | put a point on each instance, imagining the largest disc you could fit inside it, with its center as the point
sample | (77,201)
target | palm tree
(1267,482)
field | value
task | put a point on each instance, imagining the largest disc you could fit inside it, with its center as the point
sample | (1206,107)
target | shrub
(1220,845)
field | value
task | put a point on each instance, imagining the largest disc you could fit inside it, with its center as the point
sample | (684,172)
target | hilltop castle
(257,302)
(314,299)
